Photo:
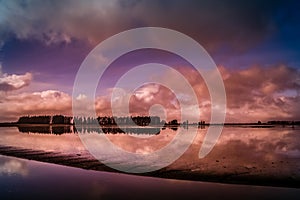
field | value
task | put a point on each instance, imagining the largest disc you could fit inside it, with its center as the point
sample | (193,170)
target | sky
(255,45)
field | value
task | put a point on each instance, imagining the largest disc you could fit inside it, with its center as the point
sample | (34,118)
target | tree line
(284,122)
(45,119)
(106,120)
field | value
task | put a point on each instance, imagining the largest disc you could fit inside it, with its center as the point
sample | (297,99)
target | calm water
(24,179)
(239,152)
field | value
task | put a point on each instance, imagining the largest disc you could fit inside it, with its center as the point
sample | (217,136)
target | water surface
(24,179)
(241,153)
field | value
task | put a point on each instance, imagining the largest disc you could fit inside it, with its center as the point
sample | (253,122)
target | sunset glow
(149,99)
(257,54)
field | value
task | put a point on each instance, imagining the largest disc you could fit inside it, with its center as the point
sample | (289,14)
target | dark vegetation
(284,122)
(46,119)
(59,124)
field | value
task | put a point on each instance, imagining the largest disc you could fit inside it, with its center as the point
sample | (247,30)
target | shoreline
(243,125)
(88,162)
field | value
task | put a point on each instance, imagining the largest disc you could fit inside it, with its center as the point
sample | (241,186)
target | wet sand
(212,172)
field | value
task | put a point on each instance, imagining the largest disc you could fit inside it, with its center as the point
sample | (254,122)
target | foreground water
(242,154)
(24,179)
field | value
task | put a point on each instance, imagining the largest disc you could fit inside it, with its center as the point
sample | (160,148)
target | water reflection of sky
(35,180)
(66,143)
(262,151)
(13,166)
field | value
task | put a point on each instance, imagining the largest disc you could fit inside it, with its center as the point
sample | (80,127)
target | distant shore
(139,121)
(248,125)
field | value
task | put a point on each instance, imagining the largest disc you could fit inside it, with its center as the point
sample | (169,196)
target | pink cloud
(153,94)
(14,82)
(38,103)
(259,93)
(253,94)
(140,102)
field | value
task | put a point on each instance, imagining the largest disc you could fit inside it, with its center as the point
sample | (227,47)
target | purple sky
(255,44)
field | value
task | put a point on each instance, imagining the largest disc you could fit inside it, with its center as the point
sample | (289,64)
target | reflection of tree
(34,129)
(129,130)
(106,120)
(45,129)
(59,124)
(50,129)
(61,129)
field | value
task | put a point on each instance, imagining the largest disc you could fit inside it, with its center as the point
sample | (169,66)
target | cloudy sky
(255,45)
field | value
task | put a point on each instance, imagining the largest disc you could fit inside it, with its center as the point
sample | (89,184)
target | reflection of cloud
(257,142)
(13,166)
(141,144)
(246,151)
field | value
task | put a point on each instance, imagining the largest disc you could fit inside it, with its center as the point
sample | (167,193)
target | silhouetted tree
(34,120)
(58,119)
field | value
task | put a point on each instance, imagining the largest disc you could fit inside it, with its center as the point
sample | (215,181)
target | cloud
(154,94)
(244,86)
(253,94)
(259,93)
(46,102)
(13,81)
(147,93)
(81,97)
(139,103)
(57,21)
(212,23)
